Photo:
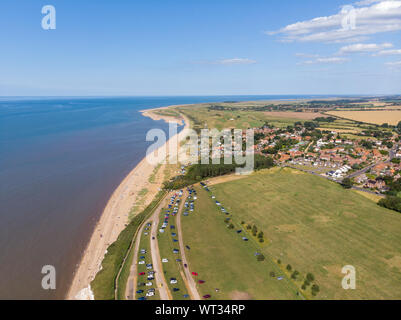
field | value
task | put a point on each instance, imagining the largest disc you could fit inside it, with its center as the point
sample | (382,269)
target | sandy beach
(115,217)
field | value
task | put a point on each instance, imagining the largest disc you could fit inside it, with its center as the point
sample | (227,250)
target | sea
(61,158)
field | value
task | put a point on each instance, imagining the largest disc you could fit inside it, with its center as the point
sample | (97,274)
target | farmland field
(375,117)
(225,261)
(317,226)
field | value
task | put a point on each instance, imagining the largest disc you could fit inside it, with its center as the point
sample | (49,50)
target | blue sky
(208,47)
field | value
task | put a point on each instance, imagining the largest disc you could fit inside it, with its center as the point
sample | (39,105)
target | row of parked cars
(145,286)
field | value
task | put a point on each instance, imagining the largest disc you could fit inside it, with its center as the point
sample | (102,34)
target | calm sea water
(60,160)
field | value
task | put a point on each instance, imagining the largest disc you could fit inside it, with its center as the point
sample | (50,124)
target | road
(328,178)
(132,278)
(189,280)
(160,280)
(392,154)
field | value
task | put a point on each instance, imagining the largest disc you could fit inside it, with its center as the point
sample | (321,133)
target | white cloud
(394,64)
(388,52)
(364,47)
(372,17)
(235,61)
(325,60)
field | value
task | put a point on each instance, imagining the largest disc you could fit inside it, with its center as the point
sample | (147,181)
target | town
(365,160)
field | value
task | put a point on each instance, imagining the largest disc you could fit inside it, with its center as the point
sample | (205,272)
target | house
(361,179)
(379,183)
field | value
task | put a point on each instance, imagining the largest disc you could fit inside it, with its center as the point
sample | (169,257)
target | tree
(315,289)
(254,230)
(260,235)
(261,257)
(310,277)
(347,183)
(272,274)
(279,261)
(289,268)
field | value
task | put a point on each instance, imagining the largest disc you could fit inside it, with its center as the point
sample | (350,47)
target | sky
(207,47)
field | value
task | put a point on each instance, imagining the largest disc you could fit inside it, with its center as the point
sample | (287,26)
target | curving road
(188,279)
(161,284)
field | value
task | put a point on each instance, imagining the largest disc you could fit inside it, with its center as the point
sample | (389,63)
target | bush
(310,277)
(261,240)
(260,234)
(391,202)
(231,226)
(272,274)
(315,289)
(261,257)
(254,230)
(279,261)
(289,268)
(303,287)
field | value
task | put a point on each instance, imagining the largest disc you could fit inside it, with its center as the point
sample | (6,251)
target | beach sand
(115,217)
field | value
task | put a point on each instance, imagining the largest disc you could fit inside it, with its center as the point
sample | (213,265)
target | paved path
(161,283)
(156,261)
(189,280)
(133,278)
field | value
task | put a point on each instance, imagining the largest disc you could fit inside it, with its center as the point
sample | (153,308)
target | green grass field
(172,268)
(315,226)
(225,261)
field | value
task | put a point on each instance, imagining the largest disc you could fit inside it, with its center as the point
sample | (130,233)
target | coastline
(115,216)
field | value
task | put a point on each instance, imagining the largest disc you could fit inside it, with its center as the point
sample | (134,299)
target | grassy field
(171,268)
(375,117)
(225,261)
(315,226)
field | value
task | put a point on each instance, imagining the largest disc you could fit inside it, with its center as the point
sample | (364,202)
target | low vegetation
(317,227)
(104,284)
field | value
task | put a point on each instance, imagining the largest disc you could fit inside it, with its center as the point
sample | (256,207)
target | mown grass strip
(105,282)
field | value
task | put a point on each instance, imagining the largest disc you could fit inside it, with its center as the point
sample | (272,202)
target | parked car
(176,289)
(142,298)
(142,273)
(139,291)
(208,296)
(194,273)
(201,281)
(185,265)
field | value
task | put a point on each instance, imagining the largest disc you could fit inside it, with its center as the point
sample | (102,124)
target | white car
(148,284)
(150,294)
(164,260)
(141,262)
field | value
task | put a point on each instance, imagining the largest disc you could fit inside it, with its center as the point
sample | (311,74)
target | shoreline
(115,216)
